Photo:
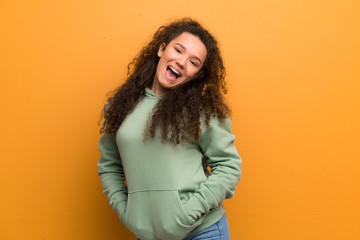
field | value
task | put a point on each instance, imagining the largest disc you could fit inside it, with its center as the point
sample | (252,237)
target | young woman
(163,129)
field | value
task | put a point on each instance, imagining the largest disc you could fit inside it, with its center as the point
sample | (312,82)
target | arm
(217,144)
(112,174)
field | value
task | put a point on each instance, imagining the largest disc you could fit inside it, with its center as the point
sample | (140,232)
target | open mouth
(172,73)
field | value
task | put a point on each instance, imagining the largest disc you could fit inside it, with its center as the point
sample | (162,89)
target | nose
(181,61)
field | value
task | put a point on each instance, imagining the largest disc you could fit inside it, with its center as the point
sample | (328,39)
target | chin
(169,85)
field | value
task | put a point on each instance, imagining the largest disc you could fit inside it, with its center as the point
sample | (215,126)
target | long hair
(178,115)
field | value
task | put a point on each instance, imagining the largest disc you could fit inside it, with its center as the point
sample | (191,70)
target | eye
(178,50)
(193,63)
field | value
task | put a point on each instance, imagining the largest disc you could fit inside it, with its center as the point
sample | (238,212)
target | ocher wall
(293,73)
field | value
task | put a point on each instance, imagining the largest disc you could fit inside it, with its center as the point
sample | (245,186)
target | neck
(156,88)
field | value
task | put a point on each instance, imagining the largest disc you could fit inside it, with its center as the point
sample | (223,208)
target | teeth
(174,70)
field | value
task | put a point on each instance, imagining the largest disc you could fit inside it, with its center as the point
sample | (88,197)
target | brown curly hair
(179,113)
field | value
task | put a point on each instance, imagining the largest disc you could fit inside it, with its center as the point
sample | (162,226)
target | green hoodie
(168,193)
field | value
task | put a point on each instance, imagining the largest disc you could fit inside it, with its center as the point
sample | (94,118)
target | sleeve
(217,144)
(112,174)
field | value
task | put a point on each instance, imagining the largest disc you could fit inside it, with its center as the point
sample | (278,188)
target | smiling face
(179,62)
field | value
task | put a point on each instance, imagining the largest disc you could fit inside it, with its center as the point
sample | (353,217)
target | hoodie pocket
(157,214)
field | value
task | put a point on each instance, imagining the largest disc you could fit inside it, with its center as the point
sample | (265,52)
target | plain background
(293,78)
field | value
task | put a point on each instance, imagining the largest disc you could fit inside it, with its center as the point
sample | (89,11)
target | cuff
(120,209)
(195,208)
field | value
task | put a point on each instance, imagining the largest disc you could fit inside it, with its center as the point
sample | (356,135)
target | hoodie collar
(149,93)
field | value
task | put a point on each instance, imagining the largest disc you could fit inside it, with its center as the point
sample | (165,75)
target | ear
(161,50)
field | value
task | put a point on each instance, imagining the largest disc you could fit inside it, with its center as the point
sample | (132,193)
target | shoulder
(218,129)
(215,123)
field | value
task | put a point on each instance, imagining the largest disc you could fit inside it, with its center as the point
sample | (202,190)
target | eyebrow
(185,49)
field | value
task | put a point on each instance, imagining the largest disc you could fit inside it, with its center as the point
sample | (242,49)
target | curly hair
(178,115)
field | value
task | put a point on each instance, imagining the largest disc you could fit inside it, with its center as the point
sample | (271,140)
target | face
(179,62)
